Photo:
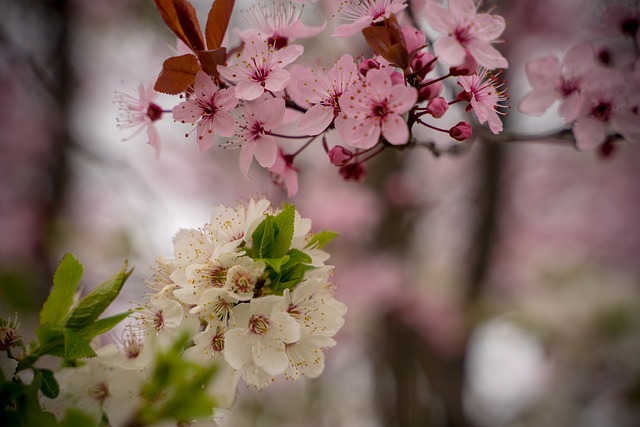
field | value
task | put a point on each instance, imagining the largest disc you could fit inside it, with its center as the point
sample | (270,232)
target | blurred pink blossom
(140,113)
(361,14)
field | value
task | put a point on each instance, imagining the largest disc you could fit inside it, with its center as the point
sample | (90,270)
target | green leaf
(268,239)
(321,239)
(96,301)
(65,284)
(76,347)
(276,263)
(296,257)
(103,325)
(51,339)
(49,385)
(284,231)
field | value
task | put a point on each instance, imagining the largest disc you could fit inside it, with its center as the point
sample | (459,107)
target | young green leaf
(76,418)
(65,283)
(276,263)
(50,339)
(321,239)
(296,256)
(102,325)
(49,385)
(268,238)
(96,301)
(76,347)
(284,225)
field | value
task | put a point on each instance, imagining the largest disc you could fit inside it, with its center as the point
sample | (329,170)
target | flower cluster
(251,290)
(598,87)
(253,93)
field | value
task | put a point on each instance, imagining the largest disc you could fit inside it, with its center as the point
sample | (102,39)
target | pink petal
(271,113)
(223,123)
(462,9)
(449,50)
(205,135)
(287,55)
(226,99)
(626,124)
(231,73)
(154,138)
(298,30)
(249,90)
(246,157)
(536,102)
(265,150)
(441,19)
(316,119)
(578,58)
(378,84)
(204,87)
(402,99)
(495,124)
(488,27)
(589,133)
(366,133)
(312,88)
(348,30)
(573,106)
(486,55)
(395,130)
(277,80)
(187,111)
(543,73)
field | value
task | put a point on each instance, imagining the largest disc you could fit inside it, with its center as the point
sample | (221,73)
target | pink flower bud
(368,64)
(429,92)
(422,63)
(397,78)
(468,66)
(340,156)
(461,131)
(437,107)
(353,171)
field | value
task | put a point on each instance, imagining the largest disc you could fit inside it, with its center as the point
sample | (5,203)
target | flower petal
(395,130)
(316,119)
(589,133)
(449,50)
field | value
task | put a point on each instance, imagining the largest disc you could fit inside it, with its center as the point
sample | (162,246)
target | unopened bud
(368,64)
(468,66)
(422,63)
(429,92)
(353,172)
(461,131)
(340,156)
(397,78)
(437,107)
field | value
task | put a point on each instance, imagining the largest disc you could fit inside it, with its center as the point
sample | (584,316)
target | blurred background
(496,287)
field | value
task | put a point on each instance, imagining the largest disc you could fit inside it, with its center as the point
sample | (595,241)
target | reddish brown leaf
(217,22)
(178,73)
(387,41)
(210,59)
(189,23)
(170,17)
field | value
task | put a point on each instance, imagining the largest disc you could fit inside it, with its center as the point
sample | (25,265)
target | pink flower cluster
(261,96)
(598,94)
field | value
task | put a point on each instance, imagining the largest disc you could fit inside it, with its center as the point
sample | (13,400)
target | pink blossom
(260,67)
(485,98)
(209,110)
(363,13)
(622,19)
(466,30)
(259,118)
(139,113)
(323,91)
(606,107)
(376,105)
(553,80)
(285,174)
(278,23)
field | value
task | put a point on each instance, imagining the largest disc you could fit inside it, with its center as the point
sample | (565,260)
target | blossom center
(380,109)
(258,324)
(567,87)
(602,111)
(243,282)
(462,35)
(99,392)
(217,343)
(154,112)
(218,277)
(630,27)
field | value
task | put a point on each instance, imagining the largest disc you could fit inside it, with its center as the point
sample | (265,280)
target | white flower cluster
(256,308)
